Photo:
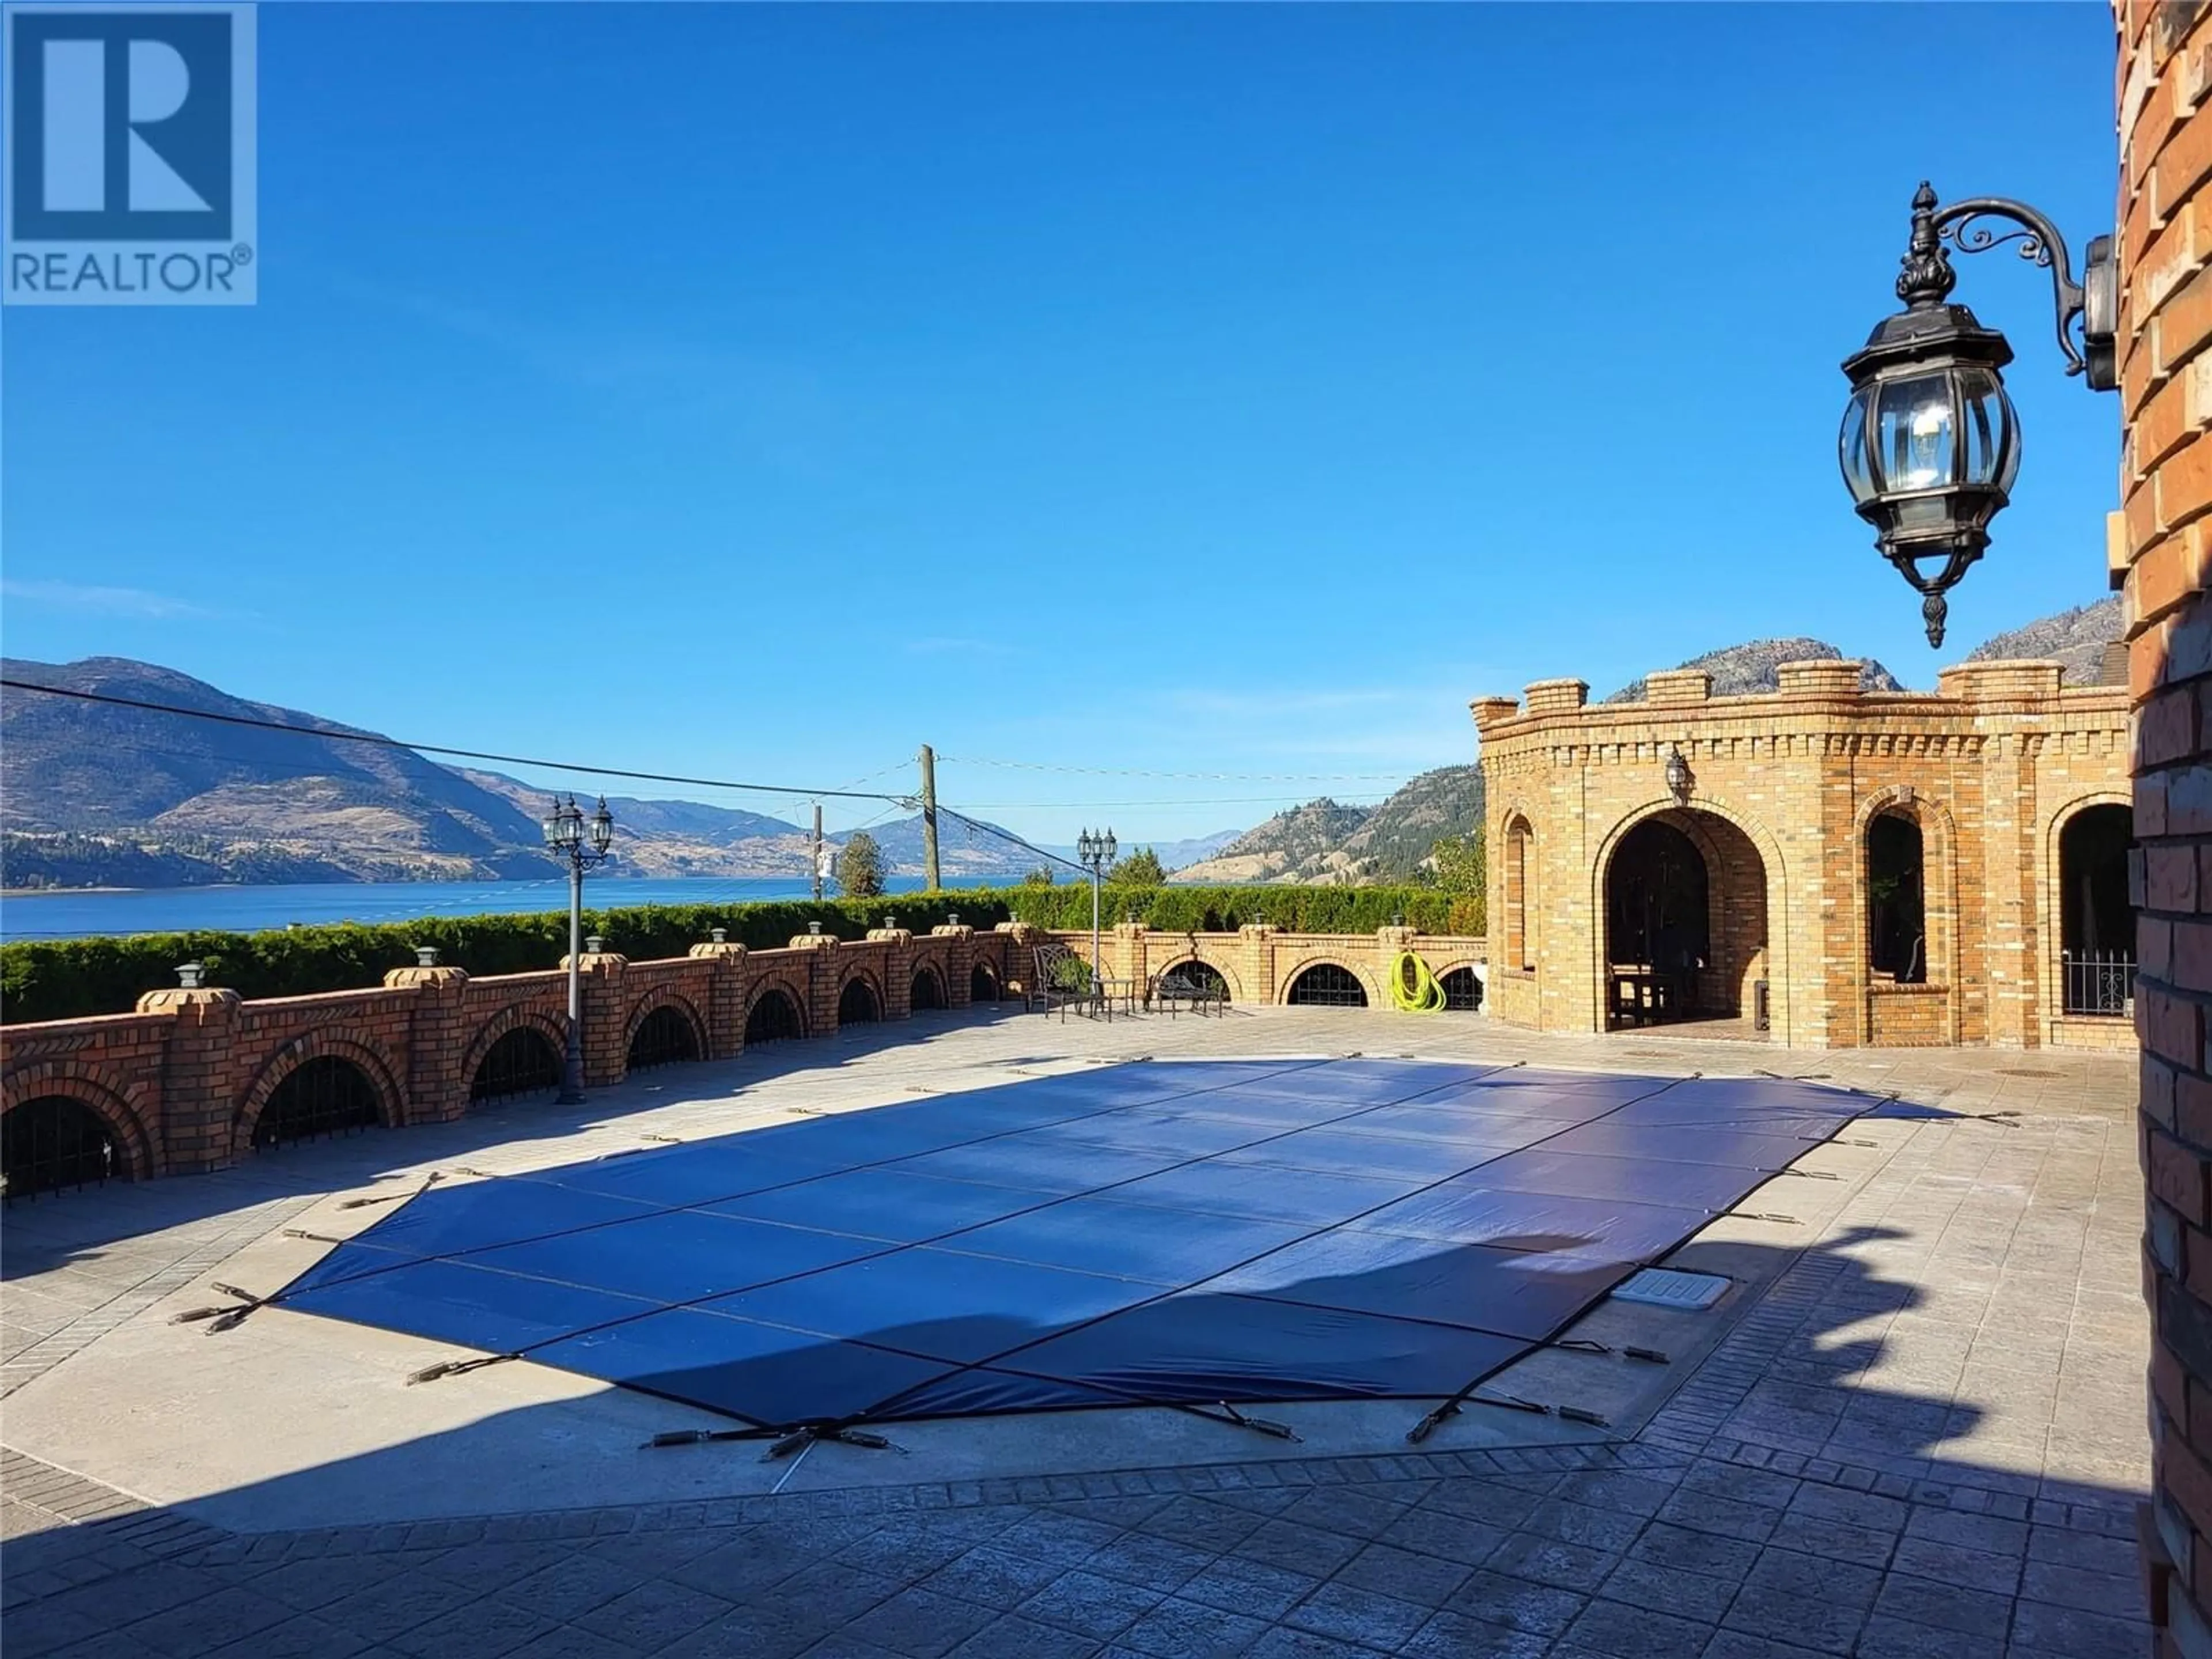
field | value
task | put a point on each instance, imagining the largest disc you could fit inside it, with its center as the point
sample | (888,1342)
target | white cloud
(135,602)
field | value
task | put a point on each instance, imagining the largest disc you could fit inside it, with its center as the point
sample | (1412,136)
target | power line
(1211,777)
(441,749)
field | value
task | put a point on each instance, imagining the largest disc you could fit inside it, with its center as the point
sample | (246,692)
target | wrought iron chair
(1059,978)
(1175,989)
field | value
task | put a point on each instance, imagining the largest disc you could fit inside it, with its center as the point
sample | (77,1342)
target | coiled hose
(1414,988)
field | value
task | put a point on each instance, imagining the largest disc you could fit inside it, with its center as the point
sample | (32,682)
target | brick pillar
(199,1078)
(607,1012)
(2157,553)
(438,1038)
(821,983)
(1256,950)
(1021,938)
(959,961)
(895,961)
(725,998)
(1129,952)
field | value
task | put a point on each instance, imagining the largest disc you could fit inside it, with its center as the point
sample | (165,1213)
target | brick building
(2159,554)
(1835,866)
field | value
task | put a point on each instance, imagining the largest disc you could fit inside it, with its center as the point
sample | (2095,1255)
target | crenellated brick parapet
(183,1083)
(1772,799)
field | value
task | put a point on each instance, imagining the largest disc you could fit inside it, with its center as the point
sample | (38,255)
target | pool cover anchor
(458,1367)
(221,1319)
(1222,1411)
(788,1441)
(429,1181)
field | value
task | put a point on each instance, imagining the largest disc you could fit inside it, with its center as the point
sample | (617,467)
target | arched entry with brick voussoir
(666,1035)
(520,1063)
(858,1003)
(928,989)
(57,1143)
(775,1016)
(324,1096)
(1684,909)
(1326,985)
(982,983)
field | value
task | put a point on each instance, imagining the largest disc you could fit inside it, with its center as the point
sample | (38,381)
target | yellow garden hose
(1414,988)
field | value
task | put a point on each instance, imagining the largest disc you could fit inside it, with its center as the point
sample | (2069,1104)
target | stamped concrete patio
(1914,1426)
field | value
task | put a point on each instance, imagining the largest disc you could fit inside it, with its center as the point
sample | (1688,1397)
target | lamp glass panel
(1851,446)
(1992,446)
(1917,426)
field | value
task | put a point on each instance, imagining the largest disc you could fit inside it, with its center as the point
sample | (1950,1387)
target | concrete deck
(1914,1425)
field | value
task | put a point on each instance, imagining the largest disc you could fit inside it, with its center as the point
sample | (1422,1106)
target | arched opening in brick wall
(1325,985)
(1897,898)
(519,1064)
(928,991)
(1520,898)
(857,1004)
(328,1095)
(2097,923)
(1462,991)
(52,1144)
(1193,975)
(664,1037)
(1685,921)
(982,983)
(773,1017)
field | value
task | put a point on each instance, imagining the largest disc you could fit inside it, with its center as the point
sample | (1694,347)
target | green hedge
(64,979)
(1225,909)
(67,978)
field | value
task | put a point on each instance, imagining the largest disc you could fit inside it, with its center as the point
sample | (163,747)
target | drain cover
(1662,1287)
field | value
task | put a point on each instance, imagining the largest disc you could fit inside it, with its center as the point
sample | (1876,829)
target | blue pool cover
(1174,1232)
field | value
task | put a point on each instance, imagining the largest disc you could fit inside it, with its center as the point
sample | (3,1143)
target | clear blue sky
(764,391)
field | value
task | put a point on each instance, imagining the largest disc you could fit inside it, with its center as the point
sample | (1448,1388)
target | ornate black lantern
(603,828)
(1930,445)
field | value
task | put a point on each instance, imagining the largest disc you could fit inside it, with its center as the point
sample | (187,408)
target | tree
(860,867)
(1140,869)
(1040,876)
(1461,866)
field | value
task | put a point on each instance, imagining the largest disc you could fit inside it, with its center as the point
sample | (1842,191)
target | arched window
(664,1037)
(1202,979)
(1462,991)
(982,983)
(1520,899)
(51,1142)
(2096,923)
(928,991)
(1897,900)
(773,1017)
(856,1003)
(522,1062)
(328,1095)
(1325,985)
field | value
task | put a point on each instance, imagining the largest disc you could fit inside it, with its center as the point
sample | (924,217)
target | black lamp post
(1096,852)
(1931,444)
(584,842)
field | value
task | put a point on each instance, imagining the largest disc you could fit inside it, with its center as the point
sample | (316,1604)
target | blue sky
(761,393)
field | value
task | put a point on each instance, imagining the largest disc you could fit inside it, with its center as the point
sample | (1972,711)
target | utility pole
(929,870)
(817,851)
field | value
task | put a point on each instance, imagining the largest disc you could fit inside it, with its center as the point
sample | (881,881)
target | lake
(250,909)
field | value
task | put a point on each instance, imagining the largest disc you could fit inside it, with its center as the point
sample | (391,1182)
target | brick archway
(1287,976)
(1939,876)
(931,973)
(764,996)
(1228,974)
(650,1003)
(74,1081)
(864,976)
(391,1098)
(514,1017)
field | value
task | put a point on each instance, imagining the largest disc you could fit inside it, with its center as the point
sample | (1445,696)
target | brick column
(2158,550)
(821,983)
(199,1078)
(1128,951)
(959,961)
(725,1001)
(606,1010)
(895,961)
(438,1038)
(1255,949)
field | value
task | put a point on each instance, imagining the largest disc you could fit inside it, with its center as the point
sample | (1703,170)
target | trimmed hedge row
(68,978)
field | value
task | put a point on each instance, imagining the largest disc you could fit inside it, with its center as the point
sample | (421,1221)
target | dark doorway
(51,1143)
(664,1037)
(857,1004)
(1658,929)
(773,1018)
(928,990)
(325,1096)
(1462,991)
(1325,985)
(982,983)
(1896,903)
(2097,924)
(523,1061)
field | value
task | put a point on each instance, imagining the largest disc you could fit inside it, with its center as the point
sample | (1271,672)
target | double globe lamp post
(584,842)
(1096,853)
(1931,444)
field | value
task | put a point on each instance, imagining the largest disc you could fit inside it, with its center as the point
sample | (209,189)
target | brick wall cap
(725,948)
(814,942)
(404,979)
(174,997)
(891,936)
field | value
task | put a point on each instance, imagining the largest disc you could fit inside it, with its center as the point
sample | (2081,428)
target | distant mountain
(1748,669)
(1325,842)
(2077,638)
(1175,855)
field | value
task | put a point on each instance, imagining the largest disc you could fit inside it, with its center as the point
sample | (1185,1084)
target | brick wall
(1260,962)
(1784,789)
(2157,553)
(179,1085)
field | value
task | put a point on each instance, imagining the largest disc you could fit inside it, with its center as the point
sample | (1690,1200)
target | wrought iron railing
(2099,982)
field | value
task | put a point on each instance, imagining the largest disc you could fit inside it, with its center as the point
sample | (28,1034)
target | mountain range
(99,794)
